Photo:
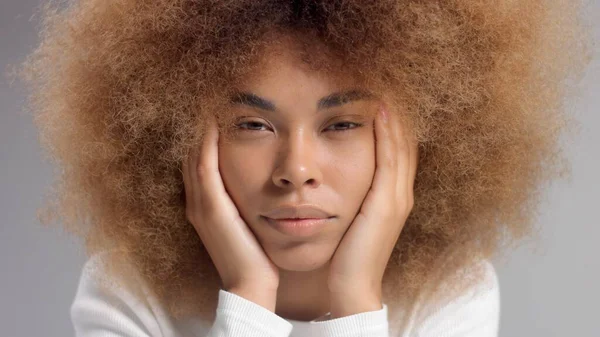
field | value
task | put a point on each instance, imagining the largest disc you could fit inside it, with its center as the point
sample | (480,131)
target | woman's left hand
(357,267)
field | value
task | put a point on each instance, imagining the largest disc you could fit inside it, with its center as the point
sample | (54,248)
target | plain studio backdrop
(550,290)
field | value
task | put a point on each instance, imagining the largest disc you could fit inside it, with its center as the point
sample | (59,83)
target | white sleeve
(98,313)
(237,316)
(115,312)
(370,323)
(476,313)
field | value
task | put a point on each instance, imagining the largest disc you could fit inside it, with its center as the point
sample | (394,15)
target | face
(291,145)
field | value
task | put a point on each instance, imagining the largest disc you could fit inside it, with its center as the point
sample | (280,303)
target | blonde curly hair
(121,90)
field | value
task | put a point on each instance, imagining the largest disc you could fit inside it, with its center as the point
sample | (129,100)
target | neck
(303,295)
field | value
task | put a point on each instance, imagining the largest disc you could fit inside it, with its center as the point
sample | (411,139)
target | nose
(297,163)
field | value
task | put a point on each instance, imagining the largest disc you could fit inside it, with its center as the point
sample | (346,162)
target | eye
(337,127)
(345,126)
(252,126)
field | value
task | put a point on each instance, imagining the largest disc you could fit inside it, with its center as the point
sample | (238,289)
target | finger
(213,194)
(185,172)
(192,167)
(406,193)
(414,156)
(189,177)
(403,158)
(383,185)
(207,166)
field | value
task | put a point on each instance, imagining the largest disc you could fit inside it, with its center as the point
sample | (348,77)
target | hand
(242,264)
(357,267)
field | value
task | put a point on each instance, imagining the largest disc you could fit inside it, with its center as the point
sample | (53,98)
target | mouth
(299,227)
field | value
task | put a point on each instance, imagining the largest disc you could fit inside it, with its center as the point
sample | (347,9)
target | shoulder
(101,306)
(471,310)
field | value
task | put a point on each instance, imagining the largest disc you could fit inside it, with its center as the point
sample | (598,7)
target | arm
(370,323)
(98,313)
(238,316)
(475,313)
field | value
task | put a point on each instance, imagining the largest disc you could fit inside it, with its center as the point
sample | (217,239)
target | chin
(302,256)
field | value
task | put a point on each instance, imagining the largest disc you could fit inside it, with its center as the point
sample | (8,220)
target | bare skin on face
(297,141)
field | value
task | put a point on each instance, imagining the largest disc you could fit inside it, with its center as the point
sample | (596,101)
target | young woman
(300,168)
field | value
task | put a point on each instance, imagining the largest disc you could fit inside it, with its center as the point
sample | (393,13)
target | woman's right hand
(242,264)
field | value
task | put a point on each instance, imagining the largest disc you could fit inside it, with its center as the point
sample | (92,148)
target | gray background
(548,291)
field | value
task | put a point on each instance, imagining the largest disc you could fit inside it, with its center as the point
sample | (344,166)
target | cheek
(243,172)
(352,170)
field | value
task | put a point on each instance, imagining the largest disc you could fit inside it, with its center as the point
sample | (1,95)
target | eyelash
(356,125)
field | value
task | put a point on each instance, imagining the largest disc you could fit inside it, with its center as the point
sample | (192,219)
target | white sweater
(475,313)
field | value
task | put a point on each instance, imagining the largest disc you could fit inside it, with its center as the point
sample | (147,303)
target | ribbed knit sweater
(96,313)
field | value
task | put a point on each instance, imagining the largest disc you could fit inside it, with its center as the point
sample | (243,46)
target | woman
(412,137)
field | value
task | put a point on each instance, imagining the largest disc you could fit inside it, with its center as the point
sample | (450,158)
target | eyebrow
(333,100)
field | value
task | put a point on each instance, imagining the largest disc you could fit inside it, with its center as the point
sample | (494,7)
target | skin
(294,155)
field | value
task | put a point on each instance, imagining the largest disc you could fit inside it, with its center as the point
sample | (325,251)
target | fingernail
(384,113)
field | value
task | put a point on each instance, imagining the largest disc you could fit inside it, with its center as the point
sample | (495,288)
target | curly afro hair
(121,90)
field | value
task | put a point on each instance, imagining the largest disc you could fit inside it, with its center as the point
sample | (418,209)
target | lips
(305,211)
(300,227)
